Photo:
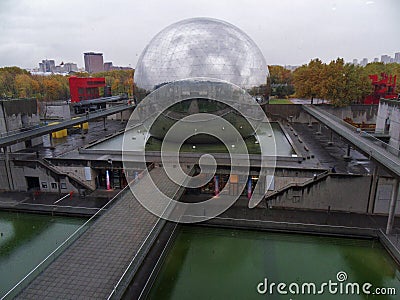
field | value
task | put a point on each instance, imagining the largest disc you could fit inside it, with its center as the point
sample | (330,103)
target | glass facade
(201,47)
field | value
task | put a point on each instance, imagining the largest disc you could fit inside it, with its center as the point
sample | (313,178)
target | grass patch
(280,101)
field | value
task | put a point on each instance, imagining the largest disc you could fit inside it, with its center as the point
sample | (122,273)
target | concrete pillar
(319,128)
(309,121)
(8,169)
(51,139)
(372,194)
(331,138)
(82,132)
(392,208)
(347,155)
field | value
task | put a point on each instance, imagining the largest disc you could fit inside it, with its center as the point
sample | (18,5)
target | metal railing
(150,280)
(307,182)
(24,282)
(125,279)
(365,134)
(384,146)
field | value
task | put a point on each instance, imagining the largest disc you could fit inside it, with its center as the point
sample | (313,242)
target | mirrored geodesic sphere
(201,47)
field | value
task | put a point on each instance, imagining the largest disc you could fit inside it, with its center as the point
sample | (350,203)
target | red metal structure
(384,87)
(85,88)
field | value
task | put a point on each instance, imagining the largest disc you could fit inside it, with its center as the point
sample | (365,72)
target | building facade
(93,62)
(47,66)
(85,88)
(388,121)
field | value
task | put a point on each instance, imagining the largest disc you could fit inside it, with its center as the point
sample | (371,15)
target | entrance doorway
(33,183)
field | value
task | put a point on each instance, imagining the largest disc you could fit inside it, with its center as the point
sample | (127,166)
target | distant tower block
(93,62)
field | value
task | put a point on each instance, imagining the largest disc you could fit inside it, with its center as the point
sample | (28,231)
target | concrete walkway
(93,264)
(384,157)
(40,131)
(50,203)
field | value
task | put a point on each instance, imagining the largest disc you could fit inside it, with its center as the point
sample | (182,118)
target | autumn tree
(26,86)
(280,75)
(338,82)
(344,83)
(7,81)
(308,79)
(281,81)
(120,81)
(54,87)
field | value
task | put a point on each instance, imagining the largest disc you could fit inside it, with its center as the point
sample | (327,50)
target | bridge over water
(108,251)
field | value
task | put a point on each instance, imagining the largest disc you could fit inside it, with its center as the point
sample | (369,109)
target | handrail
(42,130)
(354,136)
(56,252)
(301,185)
(44,162)
(157,264)
(128,270)
(358,130)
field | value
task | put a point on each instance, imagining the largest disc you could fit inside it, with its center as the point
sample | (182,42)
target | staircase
(306,183)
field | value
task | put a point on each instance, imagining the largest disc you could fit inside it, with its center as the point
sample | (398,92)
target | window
(53,185)
(44,185)
(63,185)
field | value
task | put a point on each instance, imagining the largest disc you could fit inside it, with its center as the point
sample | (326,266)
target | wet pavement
(332,155)
(74,139)
(307,101)
(50,203)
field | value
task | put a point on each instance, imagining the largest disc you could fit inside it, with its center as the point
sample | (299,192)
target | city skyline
(287,33)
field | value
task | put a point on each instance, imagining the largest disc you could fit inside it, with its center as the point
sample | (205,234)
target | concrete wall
(383,194)
(3,176)
(126,114)
(79,173)
(3,126)
(46,178)
(55,110)
(358,113)
(336,191)
(389,111)
(18,114)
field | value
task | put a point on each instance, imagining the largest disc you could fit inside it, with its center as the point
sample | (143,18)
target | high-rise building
(397,57)
(70,67)
(364,62)
(355,61)
(47,65)
(385,59)
(108,66)
(376,59)
(93,62)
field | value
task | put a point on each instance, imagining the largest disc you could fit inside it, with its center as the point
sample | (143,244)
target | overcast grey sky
(287,31)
